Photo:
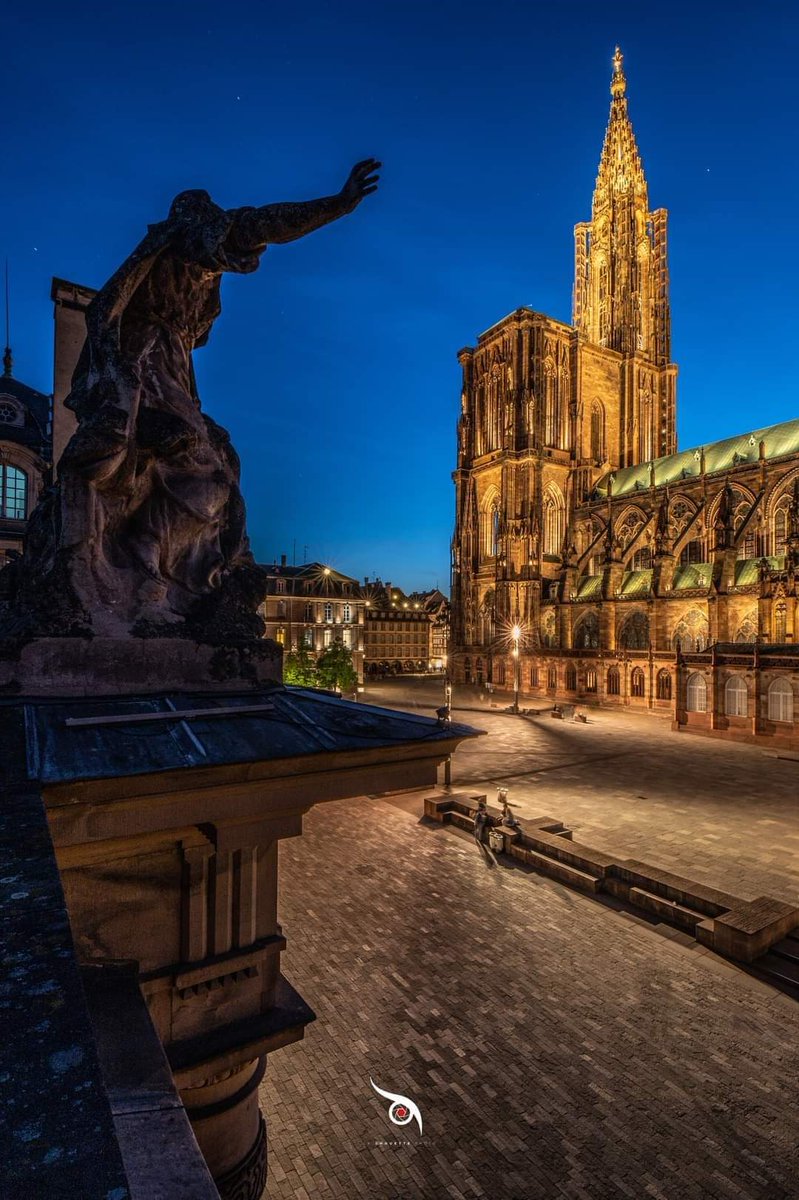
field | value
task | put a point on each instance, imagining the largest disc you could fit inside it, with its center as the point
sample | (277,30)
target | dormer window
(10,411)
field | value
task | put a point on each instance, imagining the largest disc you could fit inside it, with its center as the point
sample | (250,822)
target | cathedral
(593,561)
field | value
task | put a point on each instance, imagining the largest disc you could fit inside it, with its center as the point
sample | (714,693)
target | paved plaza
(555,1047)
(722,813)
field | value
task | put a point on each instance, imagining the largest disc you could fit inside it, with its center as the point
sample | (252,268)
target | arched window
(554,522)
(692,552)
(638,682)
(663,685)
(735,696)
(780,622)
(551,421)
(780,700)
(590,680)
(549,628)
(597,432)
(489,524)
(696,693)
(571,679)
(634,633)
(586,635)
(691,633)
(552,678)
(780,534)
(13,493)
(747,630)
(642,559)
(534,677)
(604,304)
(614,682)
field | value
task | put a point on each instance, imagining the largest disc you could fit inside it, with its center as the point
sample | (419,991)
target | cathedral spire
(621,277)
(618,84)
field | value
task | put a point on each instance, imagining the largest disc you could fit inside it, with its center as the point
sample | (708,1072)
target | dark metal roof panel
(98,739)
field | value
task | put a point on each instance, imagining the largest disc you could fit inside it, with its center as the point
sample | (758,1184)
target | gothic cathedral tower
(547,409)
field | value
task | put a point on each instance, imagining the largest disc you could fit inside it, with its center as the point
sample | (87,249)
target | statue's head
(195,204)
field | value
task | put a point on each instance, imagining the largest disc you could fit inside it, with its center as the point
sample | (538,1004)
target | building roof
(778,441)
(35,430)
(324,578)
(61,740)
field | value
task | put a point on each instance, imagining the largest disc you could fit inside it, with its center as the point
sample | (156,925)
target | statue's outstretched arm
(254,228)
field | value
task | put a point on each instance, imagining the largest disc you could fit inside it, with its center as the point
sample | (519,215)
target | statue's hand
(362,180)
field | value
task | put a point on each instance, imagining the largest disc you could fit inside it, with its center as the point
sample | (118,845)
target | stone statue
(145,533)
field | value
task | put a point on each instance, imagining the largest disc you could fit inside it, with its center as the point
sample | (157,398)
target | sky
(334,366)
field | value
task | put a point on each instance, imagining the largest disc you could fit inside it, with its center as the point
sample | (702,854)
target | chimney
(282,560)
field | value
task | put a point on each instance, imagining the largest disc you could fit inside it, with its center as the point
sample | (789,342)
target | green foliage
(335,669)
(299,669)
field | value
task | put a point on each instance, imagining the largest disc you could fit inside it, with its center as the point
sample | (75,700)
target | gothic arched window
(586,635)
(663,685)
(779,622)
(634,633)
(780,534)
(638,683)
(613,682)
(747,630)
(691,633)
(551,421)
(554,521)
(489,524)
(597,432)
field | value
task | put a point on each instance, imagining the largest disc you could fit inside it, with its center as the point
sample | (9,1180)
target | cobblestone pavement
(722,813)
(555,1047)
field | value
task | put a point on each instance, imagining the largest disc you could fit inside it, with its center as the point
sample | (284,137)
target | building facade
(578,521)
(398,631)
(25,456)
(313,606)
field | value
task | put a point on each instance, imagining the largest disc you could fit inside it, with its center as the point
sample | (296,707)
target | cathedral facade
(592,561)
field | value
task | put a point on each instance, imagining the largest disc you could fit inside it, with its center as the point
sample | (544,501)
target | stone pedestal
(166,815)
(101,666)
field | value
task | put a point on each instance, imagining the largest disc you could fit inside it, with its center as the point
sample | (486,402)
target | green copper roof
(589,587)
(636,583)
(747,570)
(694,575)
(719,456)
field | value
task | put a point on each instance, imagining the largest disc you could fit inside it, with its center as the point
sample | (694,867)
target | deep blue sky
(334,365)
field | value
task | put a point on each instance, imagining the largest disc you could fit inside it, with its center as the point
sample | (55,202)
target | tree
(335,669)
(299,669)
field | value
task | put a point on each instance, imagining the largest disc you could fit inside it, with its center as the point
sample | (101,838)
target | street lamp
(516,634)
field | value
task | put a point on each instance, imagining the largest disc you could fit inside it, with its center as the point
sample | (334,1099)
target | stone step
(777,967)
(558,870)
(667,910)
(591,862)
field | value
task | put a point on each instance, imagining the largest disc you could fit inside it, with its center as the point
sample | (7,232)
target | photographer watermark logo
(401,1110)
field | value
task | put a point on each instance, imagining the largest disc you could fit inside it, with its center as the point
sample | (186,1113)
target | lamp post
(516,634)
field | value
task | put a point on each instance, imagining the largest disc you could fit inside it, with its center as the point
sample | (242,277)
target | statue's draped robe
(148,517)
